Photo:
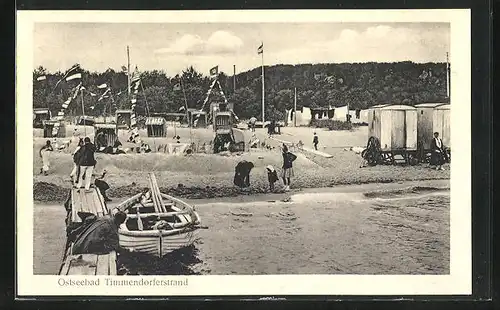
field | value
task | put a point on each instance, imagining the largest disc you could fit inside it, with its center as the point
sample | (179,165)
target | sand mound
(45,192)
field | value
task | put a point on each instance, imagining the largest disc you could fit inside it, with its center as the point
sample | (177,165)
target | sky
(173,47)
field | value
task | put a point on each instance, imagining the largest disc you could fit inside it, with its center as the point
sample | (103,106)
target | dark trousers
(316,146)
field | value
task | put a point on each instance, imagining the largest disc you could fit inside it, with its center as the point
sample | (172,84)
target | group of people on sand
(243,168)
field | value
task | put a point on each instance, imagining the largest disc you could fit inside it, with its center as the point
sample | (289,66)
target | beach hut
(156,126)
(398,128)
(39,116)
(373,120)
(340,113)
(109,131)
(54,129)
(123,118)
(358,116)
(85,120)
(303,117)
(425,121)
(441,123)
(201,116)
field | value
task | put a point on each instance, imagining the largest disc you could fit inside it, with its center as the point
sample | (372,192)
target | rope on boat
(373,153)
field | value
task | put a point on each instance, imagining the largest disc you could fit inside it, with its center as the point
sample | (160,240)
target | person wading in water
(288,159)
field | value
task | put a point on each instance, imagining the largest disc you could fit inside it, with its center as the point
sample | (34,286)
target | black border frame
(482,116)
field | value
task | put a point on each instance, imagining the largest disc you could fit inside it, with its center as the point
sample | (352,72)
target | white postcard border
(458,282)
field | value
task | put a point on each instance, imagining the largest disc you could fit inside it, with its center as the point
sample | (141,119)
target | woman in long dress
(44,154)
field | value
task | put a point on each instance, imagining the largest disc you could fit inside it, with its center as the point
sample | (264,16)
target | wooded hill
(360,85)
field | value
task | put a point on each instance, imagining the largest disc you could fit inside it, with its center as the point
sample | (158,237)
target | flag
(91,107)
(68,101)
(65,105)
(424,75)
(177,86)
(133,100)
(260,50)
(136,76)
(41,78)
(75,67)
(74,76)
(214,71)
(182,109)
(102,86)
(103,95)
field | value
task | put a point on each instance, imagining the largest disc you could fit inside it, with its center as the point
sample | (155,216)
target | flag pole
(447,76)
(295,108)
(189,116)
(263,108)
(234,78)
(128,70)
(83,112)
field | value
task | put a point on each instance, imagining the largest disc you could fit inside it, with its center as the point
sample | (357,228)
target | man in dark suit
(438,153)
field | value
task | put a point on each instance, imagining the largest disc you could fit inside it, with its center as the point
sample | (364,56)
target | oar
(153,196)
(162,204)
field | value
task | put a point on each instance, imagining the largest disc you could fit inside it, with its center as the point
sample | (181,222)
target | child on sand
(272,177)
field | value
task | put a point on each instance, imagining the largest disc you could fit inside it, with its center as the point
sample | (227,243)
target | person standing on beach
(86,162)
(253,120)
(315,141)
(44,154)
(437,155)
(76,158)
(288,159)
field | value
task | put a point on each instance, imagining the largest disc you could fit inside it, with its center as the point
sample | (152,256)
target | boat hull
(157,243)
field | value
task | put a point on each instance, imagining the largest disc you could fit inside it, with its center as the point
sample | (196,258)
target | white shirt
(438,142)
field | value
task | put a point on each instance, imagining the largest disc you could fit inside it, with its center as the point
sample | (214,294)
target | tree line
(360,85)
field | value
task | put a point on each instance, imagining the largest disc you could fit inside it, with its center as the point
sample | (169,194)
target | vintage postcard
(277,152)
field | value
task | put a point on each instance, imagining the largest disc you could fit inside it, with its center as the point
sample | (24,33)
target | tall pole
(128,70)
(234,78)
(447,76)
(190,117)
(295,108)
(263,108)
(83,112)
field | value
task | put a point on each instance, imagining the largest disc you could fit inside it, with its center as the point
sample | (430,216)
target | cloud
(219,42)
(378,44)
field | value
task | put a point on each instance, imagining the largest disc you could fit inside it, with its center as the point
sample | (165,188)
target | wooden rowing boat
(157,223)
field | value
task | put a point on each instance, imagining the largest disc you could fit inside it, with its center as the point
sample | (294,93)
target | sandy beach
(209,176)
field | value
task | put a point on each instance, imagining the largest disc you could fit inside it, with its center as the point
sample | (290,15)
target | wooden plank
(84,266)
(102,265)
(85,204)
(73,206)
(96,203)
(112,264)
(101,207)
(66,263)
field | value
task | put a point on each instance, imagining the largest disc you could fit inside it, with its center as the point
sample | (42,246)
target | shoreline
(58,194)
